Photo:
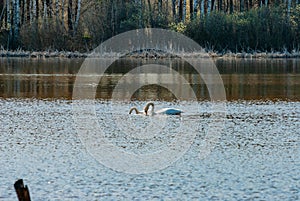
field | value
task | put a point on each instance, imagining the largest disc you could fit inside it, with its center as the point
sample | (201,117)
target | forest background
(217,25)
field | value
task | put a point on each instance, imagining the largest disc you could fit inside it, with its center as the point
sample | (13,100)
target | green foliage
(178,27)
(295,25)
(258,29)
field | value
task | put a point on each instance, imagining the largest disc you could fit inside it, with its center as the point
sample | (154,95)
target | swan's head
(133,109)
(146,108)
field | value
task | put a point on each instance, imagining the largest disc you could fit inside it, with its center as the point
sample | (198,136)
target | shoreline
(150,54)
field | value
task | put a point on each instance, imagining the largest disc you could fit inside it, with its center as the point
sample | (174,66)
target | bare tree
(49,8)
(195,9)
(70,16)
(184,11)
(150,12)
(45,12)
(220,5)
(212,5)
(56,11)
(160,6)
(34,10)
(208,6)
(174,10)
(2,13)
(77,16)
(16,19)
(202,7)
(63,13)
(180,10)
(191,9)
(289,4)
(23,11)
(241,5)
(9,26)
(37,10)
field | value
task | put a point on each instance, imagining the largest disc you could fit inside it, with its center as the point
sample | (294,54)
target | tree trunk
(30,11)
(184,11)
(3,14)
(220,5)
(112,18)
(174,10)
(9,12)
(34,15)
(63,13)
(231,6)
(45,12)
(70,16)
(16,20)
(202,8)
(166,10)
(23,11)
(56,11)
(241,5)
(247,5)
(289,4)
(208,6)
(191,10)
(150,13)
(160,6)
(141,14)
(49,8)
(195,6)
(77,16)
(250,4)
(2,9)
(37,8)
(180,10)
(212,5)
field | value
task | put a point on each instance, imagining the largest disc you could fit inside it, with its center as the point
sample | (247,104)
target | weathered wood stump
(22,191)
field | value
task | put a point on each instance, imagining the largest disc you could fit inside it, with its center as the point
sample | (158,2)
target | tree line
(221,25)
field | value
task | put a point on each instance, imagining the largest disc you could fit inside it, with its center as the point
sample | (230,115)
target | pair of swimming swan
(165,111)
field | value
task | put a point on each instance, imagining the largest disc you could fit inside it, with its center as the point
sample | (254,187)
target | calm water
(256,157)
(243,79)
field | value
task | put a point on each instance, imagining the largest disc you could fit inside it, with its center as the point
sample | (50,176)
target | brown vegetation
(80,25)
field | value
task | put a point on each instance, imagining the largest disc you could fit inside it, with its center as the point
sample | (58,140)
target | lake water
(243,79)
(255,157)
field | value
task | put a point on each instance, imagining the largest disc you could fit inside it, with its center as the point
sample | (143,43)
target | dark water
(243,79)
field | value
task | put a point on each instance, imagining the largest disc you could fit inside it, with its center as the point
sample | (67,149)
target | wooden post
(22,191)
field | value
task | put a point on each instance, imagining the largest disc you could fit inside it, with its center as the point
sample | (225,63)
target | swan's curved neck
(147,107)
(133,109)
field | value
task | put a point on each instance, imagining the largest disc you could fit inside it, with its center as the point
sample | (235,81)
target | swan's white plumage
(164,111)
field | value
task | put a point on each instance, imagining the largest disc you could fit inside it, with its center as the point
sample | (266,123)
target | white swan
(165,111)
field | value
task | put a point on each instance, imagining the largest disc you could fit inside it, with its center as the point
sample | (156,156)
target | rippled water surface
(256,157)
